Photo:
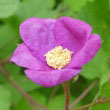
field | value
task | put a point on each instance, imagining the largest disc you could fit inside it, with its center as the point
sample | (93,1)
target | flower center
(58,57)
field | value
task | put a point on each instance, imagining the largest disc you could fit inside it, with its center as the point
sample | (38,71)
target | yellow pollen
(58,57)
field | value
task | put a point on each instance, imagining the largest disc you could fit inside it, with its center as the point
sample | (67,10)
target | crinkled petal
(51,78)
(87,52)
(38,34)
(23,57)
(71,33)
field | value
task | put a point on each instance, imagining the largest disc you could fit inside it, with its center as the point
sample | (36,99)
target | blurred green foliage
(104,92)
(94,12)
(5,99)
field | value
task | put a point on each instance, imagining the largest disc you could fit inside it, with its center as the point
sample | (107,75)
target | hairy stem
(94,104)
(67,95)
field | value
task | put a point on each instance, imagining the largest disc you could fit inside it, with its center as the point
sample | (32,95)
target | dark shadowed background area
(19,93)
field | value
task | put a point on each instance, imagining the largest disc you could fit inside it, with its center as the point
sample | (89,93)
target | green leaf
(52,3)
(14,94)
(5,99)
(96,14)
(94,69)
(58,102)
(24,105)
(8,7)
(7,36)
(12,70)
(104,92)
(109,3)
(76,5)
(83,84)
(7,45)
(24,83)
(35,8)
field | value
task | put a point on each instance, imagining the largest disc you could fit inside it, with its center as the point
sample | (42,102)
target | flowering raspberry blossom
(54,51)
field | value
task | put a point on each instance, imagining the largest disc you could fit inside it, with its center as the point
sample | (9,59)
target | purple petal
(87,52)
(71,33)
(51,78)
(23,57)
(38,34)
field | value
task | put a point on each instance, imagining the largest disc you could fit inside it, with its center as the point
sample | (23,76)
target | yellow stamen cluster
(58,57)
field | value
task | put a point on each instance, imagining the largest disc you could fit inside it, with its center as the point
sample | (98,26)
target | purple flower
(54,51)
